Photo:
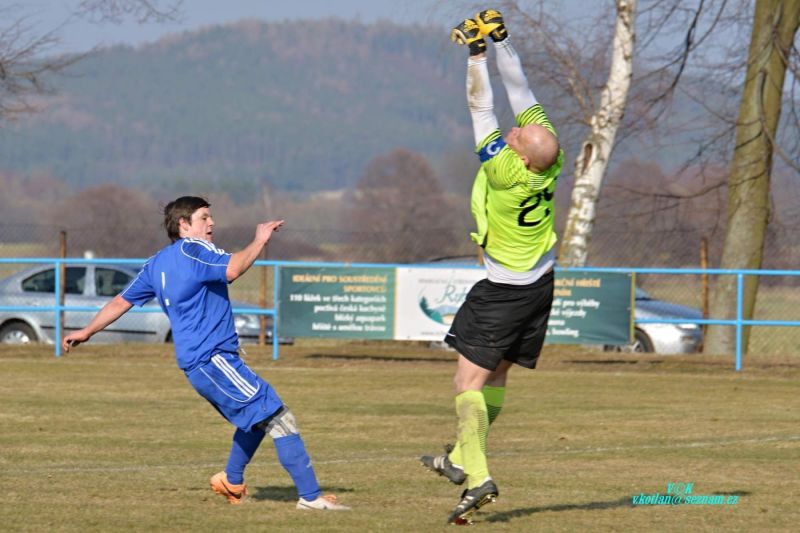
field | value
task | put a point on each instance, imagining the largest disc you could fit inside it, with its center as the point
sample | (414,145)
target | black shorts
(499,321)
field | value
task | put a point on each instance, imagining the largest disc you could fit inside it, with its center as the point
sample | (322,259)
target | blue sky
(79,35)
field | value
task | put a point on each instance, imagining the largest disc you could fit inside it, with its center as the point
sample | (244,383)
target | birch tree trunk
(592,161)
(775,24)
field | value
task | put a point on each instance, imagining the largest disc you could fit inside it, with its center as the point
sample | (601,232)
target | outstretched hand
(265,230)
(74,339)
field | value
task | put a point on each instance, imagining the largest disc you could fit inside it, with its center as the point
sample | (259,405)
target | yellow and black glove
(469,33)
(490,22)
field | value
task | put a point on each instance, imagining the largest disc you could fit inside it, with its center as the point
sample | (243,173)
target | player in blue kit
(190,279)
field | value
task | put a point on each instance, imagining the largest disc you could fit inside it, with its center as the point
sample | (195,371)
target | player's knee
(469,378)
(458,383)
(463,384)
(497,378)
(281,424)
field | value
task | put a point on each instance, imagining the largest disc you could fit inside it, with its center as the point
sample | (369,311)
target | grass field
(113,438)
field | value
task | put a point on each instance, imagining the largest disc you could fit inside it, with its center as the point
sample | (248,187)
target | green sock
(473,426)
(494,398)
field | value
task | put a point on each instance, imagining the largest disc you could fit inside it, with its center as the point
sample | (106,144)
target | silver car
(685,337)
(89,286)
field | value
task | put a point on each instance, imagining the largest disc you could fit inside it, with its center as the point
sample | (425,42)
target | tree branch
(143,11)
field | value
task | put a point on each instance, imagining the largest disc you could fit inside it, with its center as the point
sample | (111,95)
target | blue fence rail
(57,308)
(738,322)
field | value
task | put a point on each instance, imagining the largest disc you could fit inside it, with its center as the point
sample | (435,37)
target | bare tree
(21,65)
(593,157)
(399,212)
(140,10)
(593,77)
(28,56)
(111,220)
(775,24)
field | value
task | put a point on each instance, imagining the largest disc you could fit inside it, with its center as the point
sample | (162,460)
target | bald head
(535,145)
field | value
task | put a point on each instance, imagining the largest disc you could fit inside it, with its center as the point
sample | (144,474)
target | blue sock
(294,458)
(243,448)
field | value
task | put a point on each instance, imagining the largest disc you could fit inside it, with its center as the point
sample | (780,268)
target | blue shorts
(238,393)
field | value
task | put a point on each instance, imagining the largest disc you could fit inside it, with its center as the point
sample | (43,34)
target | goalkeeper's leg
(473,427)
(494,398)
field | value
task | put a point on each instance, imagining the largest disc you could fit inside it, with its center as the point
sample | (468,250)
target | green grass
(23,249)
(113,438)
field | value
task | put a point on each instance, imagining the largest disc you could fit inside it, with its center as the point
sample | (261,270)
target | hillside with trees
(302,128)
(298,106)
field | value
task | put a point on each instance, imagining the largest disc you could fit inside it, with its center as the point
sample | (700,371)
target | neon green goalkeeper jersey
(512,206)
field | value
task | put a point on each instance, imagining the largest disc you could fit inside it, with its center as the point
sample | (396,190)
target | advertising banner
(591,309)
(428,298)
(339,302)
(418,303)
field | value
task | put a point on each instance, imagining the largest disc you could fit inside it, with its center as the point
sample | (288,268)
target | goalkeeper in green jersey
(504,318)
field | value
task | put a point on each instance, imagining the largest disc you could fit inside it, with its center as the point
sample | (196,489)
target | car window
(45,281)
(110,282)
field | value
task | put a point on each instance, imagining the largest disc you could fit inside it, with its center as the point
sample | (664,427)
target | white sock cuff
(505,43)
(476,61)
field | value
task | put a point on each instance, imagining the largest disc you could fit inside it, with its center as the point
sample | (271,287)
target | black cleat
(471,501)
(441,465)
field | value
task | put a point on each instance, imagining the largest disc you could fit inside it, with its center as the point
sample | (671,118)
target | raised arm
(241,261)
(520,95)
(106,316)
(490,22)
(480,98)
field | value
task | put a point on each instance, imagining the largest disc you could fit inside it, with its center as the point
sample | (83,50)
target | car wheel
(641,342)
(17,333)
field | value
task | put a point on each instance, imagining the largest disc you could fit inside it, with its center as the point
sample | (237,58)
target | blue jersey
(189,280)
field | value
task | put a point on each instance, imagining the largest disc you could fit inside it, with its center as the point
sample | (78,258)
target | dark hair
(182,208)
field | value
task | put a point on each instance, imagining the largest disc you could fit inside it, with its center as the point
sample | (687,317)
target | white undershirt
(497,273)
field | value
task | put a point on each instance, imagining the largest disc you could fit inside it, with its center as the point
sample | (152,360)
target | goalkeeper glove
(490,23)
(469,34)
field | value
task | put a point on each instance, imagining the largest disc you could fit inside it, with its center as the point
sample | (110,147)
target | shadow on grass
(394,358)
(604,361)
(590,506)
(733,493)
(287,493)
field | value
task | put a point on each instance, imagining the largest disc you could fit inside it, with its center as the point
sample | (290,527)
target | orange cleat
(235,493)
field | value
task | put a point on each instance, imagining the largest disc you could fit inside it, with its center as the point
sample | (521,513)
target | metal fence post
(59,308)
(276,281)
(739,318)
